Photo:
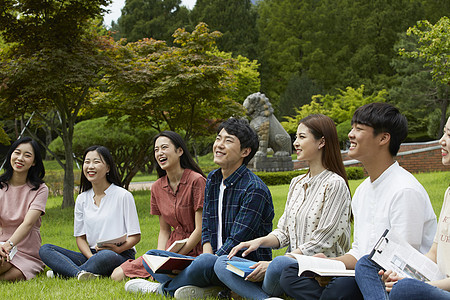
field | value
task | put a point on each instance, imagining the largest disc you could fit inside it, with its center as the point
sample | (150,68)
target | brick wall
(414,157)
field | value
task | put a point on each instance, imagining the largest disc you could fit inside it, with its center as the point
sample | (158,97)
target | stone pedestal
(271,164)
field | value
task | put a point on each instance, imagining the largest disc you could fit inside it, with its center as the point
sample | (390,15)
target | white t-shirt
(115,216)
(219,214)
(397,201)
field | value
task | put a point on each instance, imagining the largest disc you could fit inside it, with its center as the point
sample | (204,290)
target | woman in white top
(375,283)
(103,211)
(316,218)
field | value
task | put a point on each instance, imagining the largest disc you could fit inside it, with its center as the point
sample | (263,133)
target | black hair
(35,174)
(383,117)
(246,135)
(186,160)
(112,176)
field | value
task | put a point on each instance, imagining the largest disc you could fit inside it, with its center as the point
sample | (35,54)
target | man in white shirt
(390,198)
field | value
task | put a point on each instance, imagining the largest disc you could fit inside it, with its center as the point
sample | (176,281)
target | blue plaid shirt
(247,211)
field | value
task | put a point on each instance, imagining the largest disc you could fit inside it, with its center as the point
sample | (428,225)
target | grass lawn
(57,228)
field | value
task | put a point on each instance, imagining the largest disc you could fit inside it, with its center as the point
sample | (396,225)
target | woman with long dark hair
(316,218)
(104,211)
(176,197)
(23,195)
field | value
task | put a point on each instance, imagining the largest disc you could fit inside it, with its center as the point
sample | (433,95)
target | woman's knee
(45,250)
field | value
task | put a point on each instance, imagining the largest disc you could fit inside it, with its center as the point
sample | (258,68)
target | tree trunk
(68,199)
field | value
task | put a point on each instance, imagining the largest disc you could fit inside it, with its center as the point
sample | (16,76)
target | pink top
(178,208)
(15,202)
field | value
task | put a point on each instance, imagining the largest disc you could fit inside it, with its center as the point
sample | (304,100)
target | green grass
(57,228)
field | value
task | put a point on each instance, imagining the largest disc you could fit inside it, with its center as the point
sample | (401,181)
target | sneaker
(50,274)
(141,286)
(195,292)
(85,275)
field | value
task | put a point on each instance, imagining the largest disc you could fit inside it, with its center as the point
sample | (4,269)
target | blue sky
(117,5)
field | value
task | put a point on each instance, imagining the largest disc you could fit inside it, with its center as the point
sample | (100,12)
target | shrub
(355,173)
(54,179)
(278,178)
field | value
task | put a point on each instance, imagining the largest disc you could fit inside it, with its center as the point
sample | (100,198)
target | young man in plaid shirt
(238,207)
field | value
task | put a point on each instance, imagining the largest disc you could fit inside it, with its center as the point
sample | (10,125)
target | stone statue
(271,135)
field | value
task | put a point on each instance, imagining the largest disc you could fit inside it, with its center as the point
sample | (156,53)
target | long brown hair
(323,126)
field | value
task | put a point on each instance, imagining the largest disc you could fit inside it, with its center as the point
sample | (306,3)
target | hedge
(277,178)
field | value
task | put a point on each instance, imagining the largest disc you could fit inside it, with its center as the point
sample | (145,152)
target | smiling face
(22,158)
(166,155)
(94,167)
(445,144)
(227,152)
(363,142)
(306,145)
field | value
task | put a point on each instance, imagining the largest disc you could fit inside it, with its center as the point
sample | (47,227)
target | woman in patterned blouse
(316,218)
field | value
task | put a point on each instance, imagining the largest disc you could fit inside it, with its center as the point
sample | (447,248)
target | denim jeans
(199,273)
(413,289)
(299,287)
(369,282)
(372,287)
(270,286)
(69,263)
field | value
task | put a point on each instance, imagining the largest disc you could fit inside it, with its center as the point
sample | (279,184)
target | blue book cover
(241,268)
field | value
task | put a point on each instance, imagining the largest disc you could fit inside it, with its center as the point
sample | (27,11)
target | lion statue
(270,132)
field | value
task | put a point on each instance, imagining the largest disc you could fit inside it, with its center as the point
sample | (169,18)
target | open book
(166,265)
(177,245)
(12,252)
(117,241)
(392,252)
(241,268)
(310,266)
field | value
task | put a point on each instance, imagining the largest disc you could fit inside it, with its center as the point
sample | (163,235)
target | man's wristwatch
(10,243)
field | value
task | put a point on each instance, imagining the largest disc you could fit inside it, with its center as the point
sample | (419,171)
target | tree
(180,88)
(414,92)
(235,19)
(298,92)
(336,43)
(156,19)
(339,107)
(53,61)
(434,48)
(130,146)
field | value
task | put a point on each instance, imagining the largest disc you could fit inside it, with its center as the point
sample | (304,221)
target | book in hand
(310,266)
(117,241)
(241,268)
(166,265)
(177,245)
(394,253)
(12,252)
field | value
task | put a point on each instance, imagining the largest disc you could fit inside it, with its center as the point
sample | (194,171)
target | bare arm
(432,253)
(83,246)
(207,248)
(195,236)
(22,231)
(164,233)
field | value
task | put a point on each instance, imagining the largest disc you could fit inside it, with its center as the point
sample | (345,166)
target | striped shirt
(316,215)
(247,211)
